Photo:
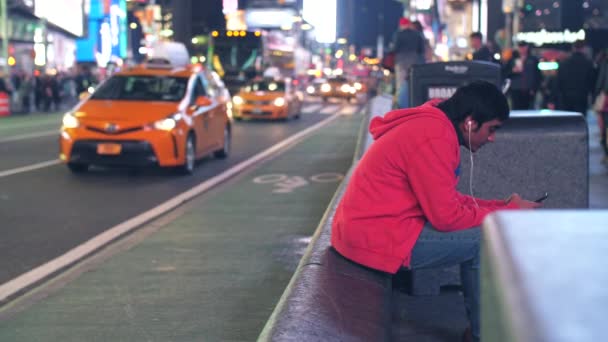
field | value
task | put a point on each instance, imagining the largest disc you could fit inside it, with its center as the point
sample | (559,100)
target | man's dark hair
(480,99)
(476,35)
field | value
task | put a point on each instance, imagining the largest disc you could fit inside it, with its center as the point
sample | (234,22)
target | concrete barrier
(543,277)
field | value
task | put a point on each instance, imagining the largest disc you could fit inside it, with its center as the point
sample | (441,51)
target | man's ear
(469,123)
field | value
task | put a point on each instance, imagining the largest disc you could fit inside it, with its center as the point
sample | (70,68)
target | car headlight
(358,86)
(279,102)
(310,89)
(345,88)
(69,121)
(237,100)
(326,88)
(168,123)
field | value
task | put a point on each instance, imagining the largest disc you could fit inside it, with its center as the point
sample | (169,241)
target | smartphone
(542,198)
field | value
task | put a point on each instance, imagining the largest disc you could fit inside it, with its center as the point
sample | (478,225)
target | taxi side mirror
(203,101)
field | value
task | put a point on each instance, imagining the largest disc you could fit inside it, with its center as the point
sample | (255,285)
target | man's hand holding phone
(522,203)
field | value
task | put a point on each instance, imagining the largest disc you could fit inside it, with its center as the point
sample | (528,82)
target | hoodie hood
(380,125)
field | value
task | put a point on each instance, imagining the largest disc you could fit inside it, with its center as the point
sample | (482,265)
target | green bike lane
(213,270)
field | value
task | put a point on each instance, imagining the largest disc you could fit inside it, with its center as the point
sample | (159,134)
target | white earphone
(470,124)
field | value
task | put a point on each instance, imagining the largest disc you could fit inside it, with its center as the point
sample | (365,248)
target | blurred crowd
(45,92)
(574,80)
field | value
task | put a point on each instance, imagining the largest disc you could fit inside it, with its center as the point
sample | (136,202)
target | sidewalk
(212,270)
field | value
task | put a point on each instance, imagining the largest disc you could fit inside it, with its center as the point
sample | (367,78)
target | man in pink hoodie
(401,208)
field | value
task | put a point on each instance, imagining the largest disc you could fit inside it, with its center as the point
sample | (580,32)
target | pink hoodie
(408,176)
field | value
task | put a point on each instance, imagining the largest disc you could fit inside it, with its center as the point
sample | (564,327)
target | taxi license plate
(257,111)
(109,149)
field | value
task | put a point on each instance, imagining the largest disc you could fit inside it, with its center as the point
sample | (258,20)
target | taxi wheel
(190,156)
(225,150)
(78,168)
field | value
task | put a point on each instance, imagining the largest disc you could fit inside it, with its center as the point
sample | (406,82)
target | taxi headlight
(325,88)
(345,88)
(168,123)
(310,89)
(279,102)
(69,121)
(358,86)
(237,100)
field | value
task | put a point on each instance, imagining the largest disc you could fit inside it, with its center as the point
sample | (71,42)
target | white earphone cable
(471,171)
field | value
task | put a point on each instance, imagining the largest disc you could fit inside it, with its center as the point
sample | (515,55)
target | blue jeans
(403,100)
(439,249)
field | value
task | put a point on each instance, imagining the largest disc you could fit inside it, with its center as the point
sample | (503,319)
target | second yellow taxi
(267,99)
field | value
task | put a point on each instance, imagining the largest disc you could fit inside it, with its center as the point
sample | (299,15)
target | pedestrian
(481,52)
(525,77)
(601,101)
(427,56)
(25,90)
(575,81)
(401,208)
(408,46)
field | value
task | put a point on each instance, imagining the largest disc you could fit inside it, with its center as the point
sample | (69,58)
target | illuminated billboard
(269,18)
(65,14)
(107,39)
(322,15)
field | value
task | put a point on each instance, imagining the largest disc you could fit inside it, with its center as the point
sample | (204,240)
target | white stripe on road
(29,168)
(31,135)
(330,109)
(311,108)
(348,110)
(39,273)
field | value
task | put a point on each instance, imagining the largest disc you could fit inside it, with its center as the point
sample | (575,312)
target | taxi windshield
(142,88)
(265,86)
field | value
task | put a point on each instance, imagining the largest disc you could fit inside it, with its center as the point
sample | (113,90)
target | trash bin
(440,80)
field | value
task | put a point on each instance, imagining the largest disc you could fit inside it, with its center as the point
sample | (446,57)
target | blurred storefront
(42,34)
(558,23)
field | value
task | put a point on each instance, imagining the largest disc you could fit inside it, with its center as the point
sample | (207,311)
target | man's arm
(497,204)
(431,176)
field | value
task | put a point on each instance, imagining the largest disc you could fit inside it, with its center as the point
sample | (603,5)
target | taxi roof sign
(171,54)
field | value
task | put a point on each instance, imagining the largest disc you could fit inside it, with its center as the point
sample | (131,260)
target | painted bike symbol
(286,184)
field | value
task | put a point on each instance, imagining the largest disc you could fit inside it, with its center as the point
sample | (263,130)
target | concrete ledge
(543,276)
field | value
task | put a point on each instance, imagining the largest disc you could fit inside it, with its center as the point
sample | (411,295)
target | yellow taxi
(267,99)
(152,114)
(338,87)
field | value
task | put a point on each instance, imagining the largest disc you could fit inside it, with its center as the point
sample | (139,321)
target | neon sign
(543,37)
